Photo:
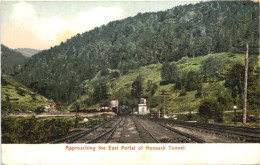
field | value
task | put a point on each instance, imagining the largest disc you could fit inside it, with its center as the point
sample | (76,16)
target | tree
(206,108)
(209,67)
(151,88)
(100,91)
(234,81)
(137,87)
(104,71)
(168,72)
(115,74)
(209,109)
(193,81)
(180,81)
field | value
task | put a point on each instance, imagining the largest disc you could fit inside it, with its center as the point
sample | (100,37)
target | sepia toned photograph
(130,72)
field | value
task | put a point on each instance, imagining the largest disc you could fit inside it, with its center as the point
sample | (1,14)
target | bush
(104,72)
(183,92)
(34,130)
(209,109)
(206,109)
(115,74)
(162,83)
(198,94)
(39,110)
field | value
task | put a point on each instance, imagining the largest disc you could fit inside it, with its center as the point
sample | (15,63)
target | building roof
(142,96)
(55,102)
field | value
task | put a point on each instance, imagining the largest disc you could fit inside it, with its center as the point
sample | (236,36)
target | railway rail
(227,127)
(157,141)
(103,135)
(185,135)
(75,137)
(242,133)
(146,130)
(193,138)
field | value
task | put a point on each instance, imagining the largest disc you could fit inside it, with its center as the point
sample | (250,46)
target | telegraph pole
(164,94)
(245,78)
(245,85)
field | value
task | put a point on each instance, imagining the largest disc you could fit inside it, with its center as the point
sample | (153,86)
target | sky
(42,24)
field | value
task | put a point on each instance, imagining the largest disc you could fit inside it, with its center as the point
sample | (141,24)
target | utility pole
(164,94)
(245,85)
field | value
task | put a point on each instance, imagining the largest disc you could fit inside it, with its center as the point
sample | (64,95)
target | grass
(188,64)
(175,103)
(16,98)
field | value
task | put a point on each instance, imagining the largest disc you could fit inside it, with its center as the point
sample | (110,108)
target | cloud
(44,29)
(54,29)
(96,17)
(22,11)
(47,29)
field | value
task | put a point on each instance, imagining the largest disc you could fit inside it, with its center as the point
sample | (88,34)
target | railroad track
(103,135)
(75,137)
(233,128)
(242,133)
(146,130)
(193,138)
(152,136)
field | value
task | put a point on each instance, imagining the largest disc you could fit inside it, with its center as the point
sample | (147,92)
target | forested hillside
(150,38)
(189,82)
(11,61)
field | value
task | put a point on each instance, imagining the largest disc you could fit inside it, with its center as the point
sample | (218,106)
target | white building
(114,105)
(142,107)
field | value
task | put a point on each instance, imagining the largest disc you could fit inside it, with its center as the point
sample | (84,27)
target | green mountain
(11,61)
(63,72)
(16,98)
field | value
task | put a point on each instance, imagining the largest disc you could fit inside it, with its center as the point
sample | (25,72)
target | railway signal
(164,94)
(235,114)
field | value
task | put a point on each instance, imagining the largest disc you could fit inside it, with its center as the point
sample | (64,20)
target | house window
(141,101)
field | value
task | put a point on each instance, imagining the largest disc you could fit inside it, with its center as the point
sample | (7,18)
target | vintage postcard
(130,82)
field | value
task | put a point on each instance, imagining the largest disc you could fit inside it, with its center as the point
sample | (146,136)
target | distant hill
(16,98)
(11,60)
(149,38)
(27,52)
